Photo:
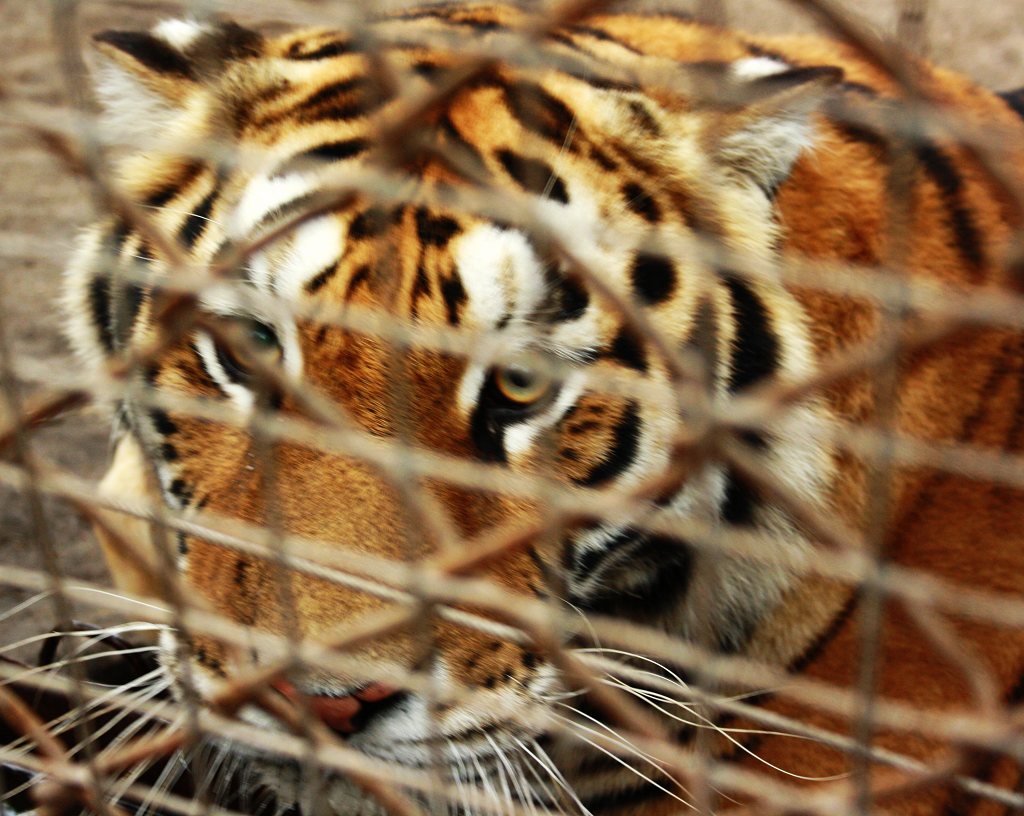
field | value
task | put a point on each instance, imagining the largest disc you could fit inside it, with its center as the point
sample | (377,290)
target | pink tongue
(337,712)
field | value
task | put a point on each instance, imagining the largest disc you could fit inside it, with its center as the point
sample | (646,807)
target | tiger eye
(258,346)
(522,386)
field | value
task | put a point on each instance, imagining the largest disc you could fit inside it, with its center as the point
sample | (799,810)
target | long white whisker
(578,727)
(545,761)
(14,610)
(505,772)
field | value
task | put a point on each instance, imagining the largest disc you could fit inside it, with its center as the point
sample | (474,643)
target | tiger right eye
(523,387)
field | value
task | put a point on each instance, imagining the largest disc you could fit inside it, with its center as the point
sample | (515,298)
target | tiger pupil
(520,379)
(262,336)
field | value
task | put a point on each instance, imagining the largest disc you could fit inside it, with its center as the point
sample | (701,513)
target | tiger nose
(349,714)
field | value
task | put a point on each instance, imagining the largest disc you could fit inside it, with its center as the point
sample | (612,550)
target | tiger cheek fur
(583,173)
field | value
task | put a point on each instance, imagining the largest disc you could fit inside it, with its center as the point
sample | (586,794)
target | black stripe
(195,225)
(942,171)
(533,175)
(330,152)
(605,161)
(817,646)
(639,201)
(421,284)
(435,230)
(476,25)
(454,295)
(282,211)
(1015,99)
(626,350)
(878,143)
(320,280)
(131,300)
(465,151)
(150,51)
(181,490)
(539,111)
(99,303)
(348,99)
(163,422)
(335,48)
(113,241)
(359,277)
(625,443)
(369,223)
(756,354)
(162,195)
(330,93)
(604,36)
(644,120)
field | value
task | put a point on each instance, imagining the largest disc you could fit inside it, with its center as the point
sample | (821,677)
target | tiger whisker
(707,723)
(542,759)
(92,635)
(24,605)
(577,727)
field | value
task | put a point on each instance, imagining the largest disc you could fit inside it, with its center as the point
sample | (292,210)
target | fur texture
(603,163)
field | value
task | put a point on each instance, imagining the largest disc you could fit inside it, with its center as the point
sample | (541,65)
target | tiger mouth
(345,714)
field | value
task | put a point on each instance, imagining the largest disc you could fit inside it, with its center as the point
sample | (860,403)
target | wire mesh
(112,718)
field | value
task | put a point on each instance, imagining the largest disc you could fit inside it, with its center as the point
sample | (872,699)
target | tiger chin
(680,167)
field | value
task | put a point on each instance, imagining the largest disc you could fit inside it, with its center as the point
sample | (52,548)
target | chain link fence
(87,720)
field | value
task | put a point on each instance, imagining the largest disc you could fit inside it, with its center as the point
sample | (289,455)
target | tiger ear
(146,78)
(771,125)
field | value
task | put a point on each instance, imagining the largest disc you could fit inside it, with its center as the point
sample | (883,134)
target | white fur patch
(501,274)
(240,395)
(519,437)
(132,113)
(179,33)
(315,246)
(262,196)
(80,329)
(757,67)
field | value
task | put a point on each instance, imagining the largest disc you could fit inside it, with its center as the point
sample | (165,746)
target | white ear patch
(768,143)
(180,33)
(757,67)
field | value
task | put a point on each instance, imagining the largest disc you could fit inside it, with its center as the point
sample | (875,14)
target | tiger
(478,265)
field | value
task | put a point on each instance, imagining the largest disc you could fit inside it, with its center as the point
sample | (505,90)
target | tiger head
(435,323)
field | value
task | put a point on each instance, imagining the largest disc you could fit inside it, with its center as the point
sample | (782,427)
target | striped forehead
(497,268)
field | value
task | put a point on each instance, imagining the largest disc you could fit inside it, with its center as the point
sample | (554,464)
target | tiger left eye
(260,346)
(522,387)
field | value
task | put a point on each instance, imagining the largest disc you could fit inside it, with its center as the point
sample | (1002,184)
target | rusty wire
(446,583)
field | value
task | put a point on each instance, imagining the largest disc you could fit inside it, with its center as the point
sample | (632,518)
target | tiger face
(441,322)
